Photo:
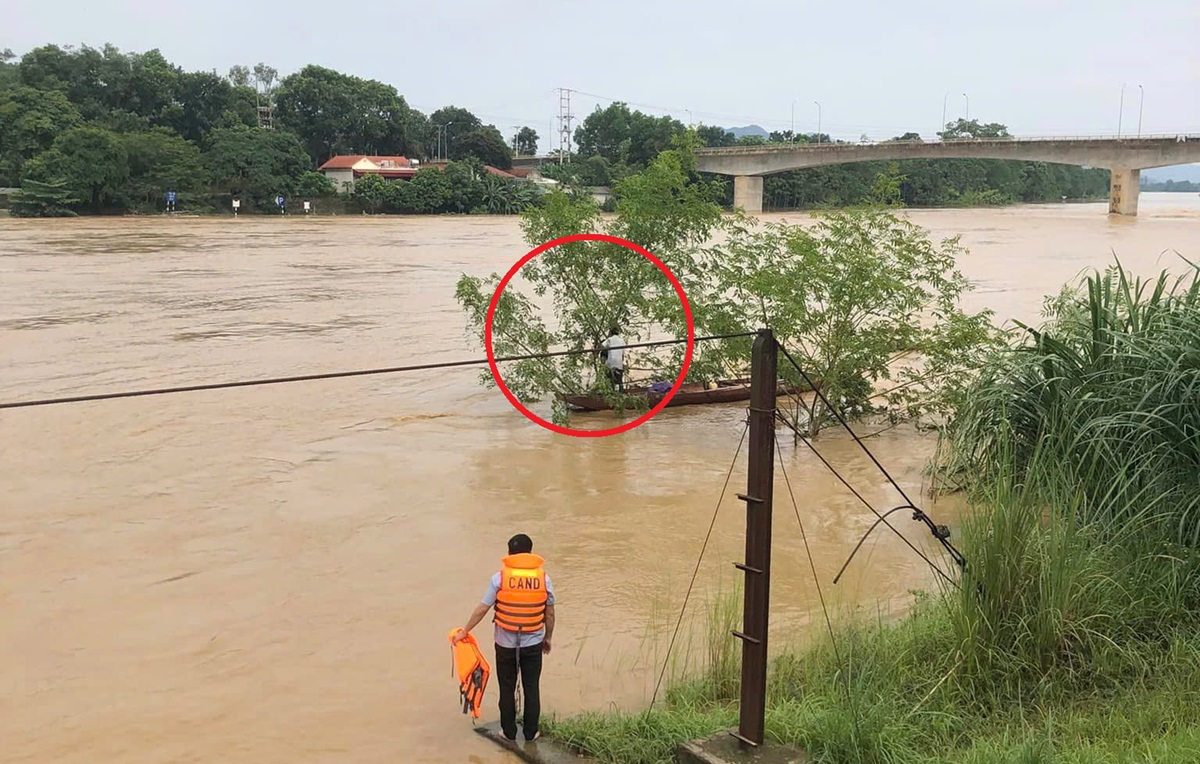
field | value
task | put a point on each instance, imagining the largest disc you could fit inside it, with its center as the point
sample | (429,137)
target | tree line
(90,130)
(615,141)
(93,130)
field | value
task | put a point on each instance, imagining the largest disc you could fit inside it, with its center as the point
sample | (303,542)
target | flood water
(269,574)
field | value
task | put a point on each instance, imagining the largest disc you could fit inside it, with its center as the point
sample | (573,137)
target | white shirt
(616,353)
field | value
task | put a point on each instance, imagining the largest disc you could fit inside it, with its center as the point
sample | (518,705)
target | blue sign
(279,200)
(170,197)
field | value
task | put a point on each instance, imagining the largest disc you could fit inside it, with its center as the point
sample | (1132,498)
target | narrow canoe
(690,394)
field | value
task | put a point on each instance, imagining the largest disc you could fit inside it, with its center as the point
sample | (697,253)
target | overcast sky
(1043,67)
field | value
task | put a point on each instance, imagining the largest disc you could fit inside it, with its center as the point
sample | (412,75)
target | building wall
(340,178)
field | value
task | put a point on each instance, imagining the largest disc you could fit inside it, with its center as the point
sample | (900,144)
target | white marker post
(236,204)
(307,207)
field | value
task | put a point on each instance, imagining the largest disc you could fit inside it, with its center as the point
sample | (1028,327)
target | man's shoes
(512,739)
(536,735)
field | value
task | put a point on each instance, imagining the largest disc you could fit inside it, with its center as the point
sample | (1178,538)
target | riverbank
(1072,636)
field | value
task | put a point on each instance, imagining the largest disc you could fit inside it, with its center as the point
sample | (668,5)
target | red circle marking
(491,356)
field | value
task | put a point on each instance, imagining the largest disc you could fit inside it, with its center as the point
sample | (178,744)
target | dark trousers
(616,377)
(530,661)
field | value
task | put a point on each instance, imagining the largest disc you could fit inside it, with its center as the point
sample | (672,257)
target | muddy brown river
(269,574)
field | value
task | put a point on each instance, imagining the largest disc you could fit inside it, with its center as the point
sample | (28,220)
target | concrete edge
(723,748)
(544,750)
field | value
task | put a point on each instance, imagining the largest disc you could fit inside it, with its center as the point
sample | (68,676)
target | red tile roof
(347,161)
(497,171)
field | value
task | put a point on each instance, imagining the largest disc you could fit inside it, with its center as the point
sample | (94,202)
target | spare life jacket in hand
(472,670)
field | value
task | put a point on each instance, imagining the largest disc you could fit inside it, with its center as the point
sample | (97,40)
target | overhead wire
(939,532)
(834,471)
(342,374)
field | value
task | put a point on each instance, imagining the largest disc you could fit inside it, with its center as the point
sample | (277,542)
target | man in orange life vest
(524,601)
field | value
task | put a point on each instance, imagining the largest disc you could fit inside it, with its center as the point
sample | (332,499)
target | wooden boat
(690,394)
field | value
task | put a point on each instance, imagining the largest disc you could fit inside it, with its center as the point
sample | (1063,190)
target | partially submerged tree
(590,286)
(862,298)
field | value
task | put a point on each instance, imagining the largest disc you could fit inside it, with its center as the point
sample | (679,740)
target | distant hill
(738,132)
(1179,172)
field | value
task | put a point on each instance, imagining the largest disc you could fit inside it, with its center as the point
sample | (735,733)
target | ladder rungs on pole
(747,637)
(746,568)
(754,499)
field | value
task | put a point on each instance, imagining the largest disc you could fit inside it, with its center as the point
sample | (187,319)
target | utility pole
(760,476)
(818,121)
(564,124)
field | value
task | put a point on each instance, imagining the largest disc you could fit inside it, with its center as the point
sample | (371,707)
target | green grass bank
(1073,635)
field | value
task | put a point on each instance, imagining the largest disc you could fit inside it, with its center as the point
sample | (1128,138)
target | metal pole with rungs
(757,567)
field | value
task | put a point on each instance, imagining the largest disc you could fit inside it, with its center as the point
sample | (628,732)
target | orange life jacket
(521,601)
(472,671)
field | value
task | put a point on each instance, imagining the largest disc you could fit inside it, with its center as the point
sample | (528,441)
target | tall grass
(1107,392)
(1075,633)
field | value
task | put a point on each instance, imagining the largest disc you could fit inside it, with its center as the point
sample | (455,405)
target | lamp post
(946,97)
(1141,103)
(792,131)
(968,114)
(441,134)
(1121,116)
(818,121)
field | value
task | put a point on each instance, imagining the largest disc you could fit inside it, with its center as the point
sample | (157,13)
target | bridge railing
(1176,137)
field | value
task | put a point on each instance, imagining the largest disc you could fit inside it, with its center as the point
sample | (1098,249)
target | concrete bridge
(1125,157)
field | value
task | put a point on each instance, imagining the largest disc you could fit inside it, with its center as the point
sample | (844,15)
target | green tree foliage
(91,160)
(624,136)
(527,141)
(372,191)
(255,165)
(716,136)
(452,122)
(459,187)
(201,100)
(862,298)
(336,113)
(43,199)
(161,161)
(485,144)
(962,129)
(315,185)
(30,120)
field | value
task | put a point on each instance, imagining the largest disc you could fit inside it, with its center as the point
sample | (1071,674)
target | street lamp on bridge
(818,121)
(967,118)
(1121,116)
(1141,103)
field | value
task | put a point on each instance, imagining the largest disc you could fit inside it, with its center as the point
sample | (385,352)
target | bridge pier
(748,193)
(1123,191)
